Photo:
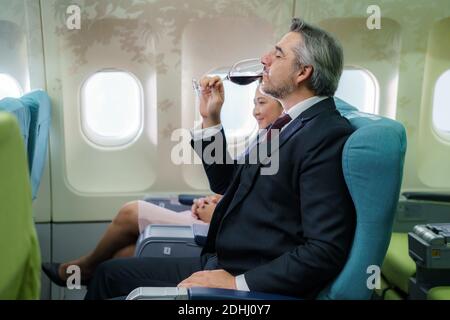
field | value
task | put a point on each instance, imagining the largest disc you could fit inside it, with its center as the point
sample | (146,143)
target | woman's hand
(206,211)
(197,203)
(215,198)
(203,208)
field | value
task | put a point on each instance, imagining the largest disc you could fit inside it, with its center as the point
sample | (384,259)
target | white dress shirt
(198,134)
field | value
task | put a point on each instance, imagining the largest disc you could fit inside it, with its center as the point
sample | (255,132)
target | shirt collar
(302,106)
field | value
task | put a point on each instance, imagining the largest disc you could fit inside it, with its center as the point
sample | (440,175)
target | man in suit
(289,232)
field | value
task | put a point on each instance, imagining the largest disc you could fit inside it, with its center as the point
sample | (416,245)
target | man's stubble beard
(280,92)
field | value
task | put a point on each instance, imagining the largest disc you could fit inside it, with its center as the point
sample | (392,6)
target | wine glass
(242,72)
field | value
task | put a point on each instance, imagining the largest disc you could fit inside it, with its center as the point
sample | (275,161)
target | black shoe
(52,272)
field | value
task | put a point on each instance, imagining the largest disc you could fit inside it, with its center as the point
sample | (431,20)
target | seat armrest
(200,233)
(188,199)
(200,293)
(158,293)
(166,241)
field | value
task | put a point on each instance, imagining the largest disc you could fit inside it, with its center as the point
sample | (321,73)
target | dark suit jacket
(289,233)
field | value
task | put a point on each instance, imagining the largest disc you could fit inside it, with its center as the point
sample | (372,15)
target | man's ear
(304,73)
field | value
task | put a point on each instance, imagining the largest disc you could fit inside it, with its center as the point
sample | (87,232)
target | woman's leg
(121,233)
(150,213)
(120,238)
(126,252)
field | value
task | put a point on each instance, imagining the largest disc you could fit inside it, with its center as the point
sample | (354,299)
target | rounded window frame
(94,138)
(442,134)
(371,76)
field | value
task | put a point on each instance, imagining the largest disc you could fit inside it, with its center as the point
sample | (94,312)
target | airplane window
(237,112)
(441,109)
(111,108)
(9,87)
(359,88)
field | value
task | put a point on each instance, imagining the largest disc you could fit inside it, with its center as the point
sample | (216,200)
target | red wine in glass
(244,79)
(242,73)
(246,71)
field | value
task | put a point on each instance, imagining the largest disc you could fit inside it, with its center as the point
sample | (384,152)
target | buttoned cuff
(241,284)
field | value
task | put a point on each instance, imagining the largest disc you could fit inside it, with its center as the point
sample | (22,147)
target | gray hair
(321,51)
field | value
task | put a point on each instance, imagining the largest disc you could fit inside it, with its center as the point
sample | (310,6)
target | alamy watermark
(213,150)
(373,22)
(73,21)
(74,280)
(374,279)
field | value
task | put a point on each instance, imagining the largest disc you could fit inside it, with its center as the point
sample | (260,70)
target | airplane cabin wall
(434,145)
(22,57)
(407,55)
(154,41)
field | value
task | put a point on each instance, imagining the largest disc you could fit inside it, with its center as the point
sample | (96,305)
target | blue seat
(38,102)
(33,113)
(372,162)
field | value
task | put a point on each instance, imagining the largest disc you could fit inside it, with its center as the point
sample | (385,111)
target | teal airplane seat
(20,260)
(38,102)
(372,162)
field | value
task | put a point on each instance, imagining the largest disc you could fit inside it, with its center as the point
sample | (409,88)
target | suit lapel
(296,125)
(252,170)
(285,135)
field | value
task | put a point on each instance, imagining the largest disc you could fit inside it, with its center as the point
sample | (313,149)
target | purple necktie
(278,124)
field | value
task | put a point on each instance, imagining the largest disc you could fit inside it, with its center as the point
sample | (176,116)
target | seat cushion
(398,266)
(386,292)
(439,293)
(392,294)
(384,285)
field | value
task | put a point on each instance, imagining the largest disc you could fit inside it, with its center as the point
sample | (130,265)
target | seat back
(372,162)
(38,103)
(20,261)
